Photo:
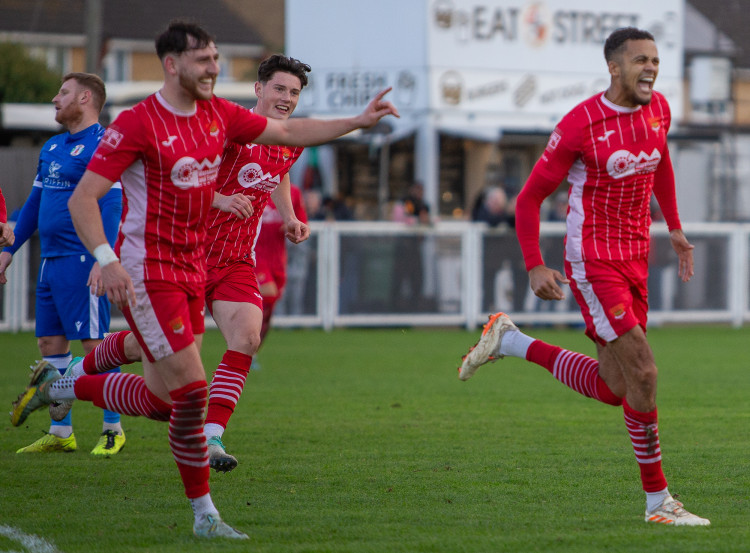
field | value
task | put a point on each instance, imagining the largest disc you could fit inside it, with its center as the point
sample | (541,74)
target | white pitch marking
(32,543)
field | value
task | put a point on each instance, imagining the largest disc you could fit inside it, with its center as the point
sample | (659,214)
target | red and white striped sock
(226,387)
(122,393)
(186,437)
(644,435)
(109,354)
(577,371)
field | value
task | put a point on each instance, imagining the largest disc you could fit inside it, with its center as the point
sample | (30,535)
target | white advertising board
(523,63)
(540,57)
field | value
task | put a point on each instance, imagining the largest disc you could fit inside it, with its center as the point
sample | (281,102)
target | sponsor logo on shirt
(190,173)
(54,169)
(252,175)
(112,138)
(623,163)
(77,150)
(554,140)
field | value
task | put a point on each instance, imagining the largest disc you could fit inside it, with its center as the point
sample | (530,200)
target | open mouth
(646,84)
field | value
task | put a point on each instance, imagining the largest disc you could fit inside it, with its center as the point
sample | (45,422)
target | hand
(5,260)
(543,281)
(684,251)
(297,231)
(117,285)
(95,283)
(239,204)
(6,235)
(376,110)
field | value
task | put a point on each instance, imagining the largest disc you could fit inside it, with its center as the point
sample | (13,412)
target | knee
(247,343)
(132,348)
(644,377)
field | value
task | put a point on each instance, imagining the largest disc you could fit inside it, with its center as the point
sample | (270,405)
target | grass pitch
(365,441)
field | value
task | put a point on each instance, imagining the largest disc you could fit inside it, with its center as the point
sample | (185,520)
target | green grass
(365,441)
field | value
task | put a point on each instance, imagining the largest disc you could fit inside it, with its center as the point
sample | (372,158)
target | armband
(105,255)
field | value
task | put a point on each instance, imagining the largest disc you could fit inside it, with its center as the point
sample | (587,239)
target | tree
(24,78)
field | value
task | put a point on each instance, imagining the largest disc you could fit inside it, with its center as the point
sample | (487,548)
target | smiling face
(633,73)
(278,96)
(197,69)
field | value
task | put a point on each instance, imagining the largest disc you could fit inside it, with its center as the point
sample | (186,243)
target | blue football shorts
(65,306)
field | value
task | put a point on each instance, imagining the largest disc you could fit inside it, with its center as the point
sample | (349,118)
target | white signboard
(540,57)
(508,63)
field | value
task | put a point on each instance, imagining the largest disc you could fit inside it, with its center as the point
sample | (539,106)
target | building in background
(480,84)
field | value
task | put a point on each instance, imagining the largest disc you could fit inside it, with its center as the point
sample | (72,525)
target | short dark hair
(176,38)
(277,62)
(616,41)
(93,83)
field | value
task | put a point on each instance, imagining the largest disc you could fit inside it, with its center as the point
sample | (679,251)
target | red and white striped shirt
(614,158)
(168,163)
(254,170)
(270,249)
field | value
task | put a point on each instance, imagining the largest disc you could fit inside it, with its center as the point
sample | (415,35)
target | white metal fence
(454,274)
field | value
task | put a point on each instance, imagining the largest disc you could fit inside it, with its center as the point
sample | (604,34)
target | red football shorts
(235,283)
(271,273)
(613,296)
(167,316)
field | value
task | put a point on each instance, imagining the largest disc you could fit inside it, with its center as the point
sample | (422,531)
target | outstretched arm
(309,132)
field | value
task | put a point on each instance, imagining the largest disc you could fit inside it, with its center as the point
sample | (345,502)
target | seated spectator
(495,209)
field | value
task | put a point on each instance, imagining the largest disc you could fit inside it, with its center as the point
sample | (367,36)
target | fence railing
(454,274)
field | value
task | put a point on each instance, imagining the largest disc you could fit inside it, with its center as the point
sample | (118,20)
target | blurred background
(413,219)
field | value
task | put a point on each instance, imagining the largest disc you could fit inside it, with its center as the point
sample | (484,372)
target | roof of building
(134,19)
(731,19)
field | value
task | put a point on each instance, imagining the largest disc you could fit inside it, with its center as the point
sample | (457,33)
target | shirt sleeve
(119,148)
(3,209)
(528,205)
(665,193)
(28,219)
(243,125)
(561,152)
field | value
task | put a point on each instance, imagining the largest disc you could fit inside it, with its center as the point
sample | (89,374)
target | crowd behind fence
(454,274)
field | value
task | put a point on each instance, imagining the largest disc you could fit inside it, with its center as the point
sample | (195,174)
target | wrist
(104,254)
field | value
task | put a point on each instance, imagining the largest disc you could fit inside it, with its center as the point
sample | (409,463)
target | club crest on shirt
(286,153)
(618,311)
(190,173)
(655,123)
(624,163)
(77,150)
(177,326)
(213,128)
